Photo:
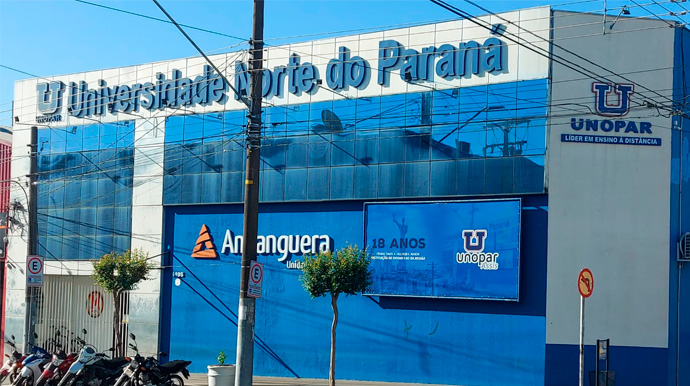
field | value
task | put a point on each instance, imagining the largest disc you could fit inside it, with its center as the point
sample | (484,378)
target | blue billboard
(467,249)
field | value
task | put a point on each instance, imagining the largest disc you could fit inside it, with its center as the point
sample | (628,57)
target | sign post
(256,277)
(34,271)
(585,284)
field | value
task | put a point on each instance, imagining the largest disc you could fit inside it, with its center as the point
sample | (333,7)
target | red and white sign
(585,283)
(94,304)
(34,271)
(256,277)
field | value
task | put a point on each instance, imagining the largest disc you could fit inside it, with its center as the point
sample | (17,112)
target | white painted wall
(609,204)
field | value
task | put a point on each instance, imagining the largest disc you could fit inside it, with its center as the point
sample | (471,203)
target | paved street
(200,380)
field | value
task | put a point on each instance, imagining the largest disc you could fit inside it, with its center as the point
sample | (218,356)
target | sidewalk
(201,380)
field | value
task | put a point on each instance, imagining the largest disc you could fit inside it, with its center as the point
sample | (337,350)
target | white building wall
(609,205)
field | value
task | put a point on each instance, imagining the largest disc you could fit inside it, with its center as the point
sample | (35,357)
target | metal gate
(70,304)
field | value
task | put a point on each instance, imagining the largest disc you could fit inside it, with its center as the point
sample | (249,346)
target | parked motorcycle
(87,355)
(147,371)
(9,369)
(59,364)
(32,367)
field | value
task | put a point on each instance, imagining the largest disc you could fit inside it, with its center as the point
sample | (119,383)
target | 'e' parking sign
(34,271)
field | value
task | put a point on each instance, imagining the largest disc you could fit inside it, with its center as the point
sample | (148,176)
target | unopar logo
(474,243)
(605,92)
(204,248)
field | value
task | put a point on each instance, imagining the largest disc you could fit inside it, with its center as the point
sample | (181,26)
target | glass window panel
(391,146)
(42,222)
(418,110)
(367,147)
(42,196)
(55,222)
(42,241)
(343,149)
(90,137)
(123,192)
(191,193)
(320,121)
(56,194)
(57,166)
(103,245)
(87,219)
(391,180)
(445,107)
(233,156)
(172,189)
(89,192)
(232,187)
(529,174)
(296,155)
(443,178)
(106,195)
(173,158)
(319,149)
(210,188)
(213,127)
(212,157)
(104,221)
(121,243)
(295,184)
(122,221)
(234,123)
(346,112)
(125,133)
(416,146)
(58,140)
(174,129)
(273,152)
(191,160)
(417,179)
(342,180)
(43,138)
(73,139)
(530,133)
(318,183)
(366,181)
(54,247)
(368,121)
(193,128)
(471,174)
(73,166)
(70,247)
(393,112)
(87,248)
(272,184)
(107,136)
(73,194)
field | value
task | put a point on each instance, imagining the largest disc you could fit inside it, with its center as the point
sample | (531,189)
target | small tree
(346,271)
(117,273)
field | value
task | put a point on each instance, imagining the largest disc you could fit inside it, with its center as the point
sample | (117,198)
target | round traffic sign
(256,273)
(34,265)
(585,283)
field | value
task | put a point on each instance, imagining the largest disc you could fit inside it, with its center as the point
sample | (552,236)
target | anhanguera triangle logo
(204,248)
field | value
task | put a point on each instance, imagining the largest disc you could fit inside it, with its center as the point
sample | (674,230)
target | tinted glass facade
(85,190)
(481,140)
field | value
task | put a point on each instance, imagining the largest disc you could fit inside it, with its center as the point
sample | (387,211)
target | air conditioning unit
(684,248)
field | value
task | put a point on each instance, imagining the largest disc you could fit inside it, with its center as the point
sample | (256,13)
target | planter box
(221,375)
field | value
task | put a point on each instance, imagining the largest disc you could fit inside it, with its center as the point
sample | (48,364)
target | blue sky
(60,37)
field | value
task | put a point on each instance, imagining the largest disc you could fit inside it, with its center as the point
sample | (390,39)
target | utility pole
(29,323)
(245,324)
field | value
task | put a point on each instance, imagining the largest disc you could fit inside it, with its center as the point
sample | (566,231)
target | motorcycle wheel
(2,379)
(66,380)
(13,377)
(174,380)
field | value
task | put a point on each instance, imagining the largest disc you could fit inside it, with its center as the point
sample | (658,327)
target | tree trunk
(331,372)
(117,331)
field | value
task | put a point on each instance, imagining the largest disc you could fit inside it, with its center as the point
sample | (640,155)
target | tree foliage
(346,271)
(117,272)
